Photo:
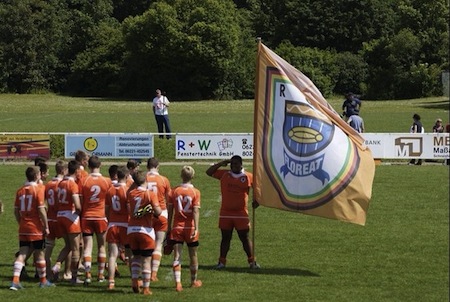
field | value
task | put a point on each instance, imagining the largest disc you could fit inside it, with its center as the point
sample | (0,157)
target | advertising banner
(382,145)
(24,146)
(110,145)
(408,145)
(213,146)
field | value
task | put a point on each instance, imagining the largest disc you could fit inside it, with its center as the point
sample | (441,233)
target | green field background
(402,254)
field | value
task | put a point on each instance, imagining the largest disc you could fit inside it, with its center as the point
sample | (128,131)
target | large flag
(306,158)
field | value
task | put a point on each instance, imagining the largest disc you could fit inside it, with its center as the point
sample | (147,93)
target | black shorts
(37,245)
(189,244)
(143,253)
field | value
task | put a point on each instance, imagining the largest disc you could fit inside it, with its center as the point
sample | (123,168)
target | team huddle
(133,211)
(134,215)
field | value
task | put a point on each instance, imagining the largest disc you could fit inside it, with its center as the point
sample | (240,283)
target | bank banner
(213,146)
(24,146)
(110,145)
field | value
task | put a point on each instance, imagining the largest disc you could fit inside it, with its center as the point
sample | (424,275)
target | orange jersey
(139,198)
(160,185)
(130,181)
(184,198)
(81,175)
(117,202)
(67,188)
(51,195)
(93,193)
(235,189)
(29,199)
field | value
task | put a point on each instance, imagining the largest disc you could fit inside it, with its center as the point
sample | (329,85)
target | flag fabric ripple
(306,158)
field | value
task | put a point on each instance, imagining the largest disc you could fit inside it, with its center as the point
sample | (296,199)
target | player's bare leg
(194,267)
(113,253)
(157,254)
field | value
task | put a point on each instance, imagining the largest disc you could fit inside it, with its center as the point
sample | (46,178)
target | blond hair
(187,173)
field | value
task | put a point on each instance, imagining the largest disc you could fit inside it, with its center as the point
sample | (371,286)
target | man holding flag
(306,158)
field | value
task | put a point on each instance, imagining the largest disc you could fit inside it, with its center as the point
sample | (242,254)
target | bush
(353,72)
(56,146)
(318,65)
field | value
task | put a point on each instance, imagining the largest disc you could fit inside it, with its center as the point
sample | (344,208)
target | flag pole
(258,39)
(253,233)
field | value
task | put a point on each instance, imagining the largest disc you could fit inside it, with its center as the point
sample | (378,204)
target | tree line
(206,49)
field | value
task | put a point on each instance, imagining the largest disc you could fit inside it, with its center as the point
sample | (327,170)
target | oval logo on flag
(309,160)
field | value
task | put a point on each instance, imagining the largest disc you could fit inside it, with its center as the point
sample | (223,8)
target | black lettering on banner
(282,89)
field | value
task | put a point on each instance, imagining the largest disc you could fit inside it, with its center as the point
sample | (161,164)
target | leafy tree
(408,63)
(83,19)
(318,65)
(206,48)
(98,69)
(30,40)
(189,48)
(152,48)
(394,68)
(352,73)
(129,8)
(342,25)
(428,20)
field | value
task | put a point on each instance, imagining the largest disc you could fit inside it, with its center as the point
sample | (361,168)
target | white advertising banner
(408,145)
(382,145)
(213,146)
(110,145)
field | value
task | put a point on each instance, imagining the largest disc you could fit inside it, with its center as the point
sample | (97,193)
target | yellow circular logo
(90,144)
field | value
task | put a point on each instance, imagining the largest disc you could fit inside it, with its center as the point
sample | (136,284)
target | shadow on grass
(443,105)
(283,271)
(101,288)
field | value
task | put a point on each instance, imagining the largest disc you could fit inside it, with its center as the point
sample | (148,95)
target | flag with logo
(306,158)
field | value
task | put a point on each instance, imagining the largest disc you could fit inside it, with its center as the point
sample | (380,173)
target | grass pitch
(400,255)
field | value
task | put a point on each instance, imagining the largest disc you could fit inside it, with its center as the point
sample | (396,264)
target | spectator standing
(416,127)
(438,127)
(235,185)
(351,105)
(160,109)
(356,122)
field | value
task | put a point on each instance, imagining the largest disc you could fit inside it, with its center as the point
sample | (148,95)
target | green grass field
(54,113)
(400,255)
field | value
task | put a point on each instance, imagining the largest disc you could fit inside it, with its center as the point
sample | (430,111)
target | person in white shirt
(160,105)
